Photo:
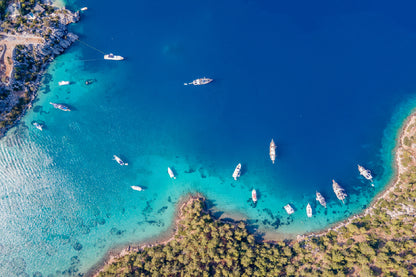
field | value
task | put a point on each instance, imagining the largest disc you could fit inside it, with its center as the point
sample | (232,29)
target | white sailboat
(309,210)
(320,199)
(137,188)
(237,172)
(339,191)
(254,195)
(119,161)
(272,151)
(200,81)
(170,172)
(63,83)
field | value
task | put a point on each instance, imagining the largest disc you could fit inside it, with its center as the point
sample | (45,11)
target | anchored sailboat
(254,195)
(119,161)
(237,172)
(309,210)
(170,172)
(272,151)
(200,81)
(339,191)
(320,199)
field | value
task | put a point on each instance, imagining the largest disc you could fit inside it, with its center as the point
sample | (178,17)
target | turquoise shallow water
(332,86)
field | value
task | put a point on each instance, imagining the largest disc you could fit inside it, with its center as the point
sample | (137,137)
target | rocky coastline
(378,241)
(30,39)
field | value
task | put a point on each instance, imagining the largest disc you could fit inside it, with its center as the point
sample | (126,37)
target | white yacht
(339,191)
(309,210)
(84,8)
(200,81)
(63,83)
(320,199)
(289,209)
(237,172)
(60,107)
(272,151)
(137,188)
(366,173)
(254,195)
(38,126)
(113,57)
(119,161)
(171,173)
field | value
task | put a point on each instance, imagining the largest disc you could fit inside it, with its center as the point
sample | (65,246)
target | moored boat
(89,82)
(137,188)
(237,172)
(320,199)
(339,191)
(272,151)
(113,57)
(289,209)
(254,195)
(366,173)
(84,8)
(309,210)
(60,107)
(63,83)
(119,161)
(170,172)
(200,81)
(38,126)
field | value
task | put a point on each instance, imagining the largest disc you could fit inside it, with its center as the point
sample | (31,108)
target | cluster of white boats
(138,188)
(62,107)
(339,191)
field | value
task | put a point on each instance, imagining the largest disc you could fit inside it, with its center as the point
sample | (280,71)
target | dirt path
(8,43)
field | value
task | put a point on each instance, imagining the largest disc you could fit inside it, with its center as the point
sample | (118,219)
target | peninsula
(32,34)
(379,242)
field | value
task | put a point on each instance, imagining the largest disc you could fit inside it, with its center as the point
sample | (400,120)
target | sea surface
(330,82)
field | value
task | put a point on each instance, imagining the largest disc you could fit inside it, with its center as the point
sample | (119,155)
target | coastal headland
(379,241)
(31,36)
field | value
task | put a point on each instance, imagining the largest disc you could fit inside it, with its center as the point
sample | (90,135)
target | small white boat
(237,172)
(254,195)
(113,57)
(38,126)
(320,199)
(63,83)
(119,161)
(84,9)
(200,81)
(272,151)
(137,188)
(171,173)
(289,209)
(309,210)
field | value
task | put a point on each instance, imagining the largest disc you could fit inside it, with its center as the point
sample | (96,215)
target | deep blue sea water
(330,82)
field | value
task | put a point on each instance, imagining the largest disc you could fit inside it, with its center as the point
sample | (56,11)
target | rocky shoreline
(386,205)
(162,239)
(405,131)
(33,41)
